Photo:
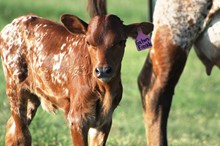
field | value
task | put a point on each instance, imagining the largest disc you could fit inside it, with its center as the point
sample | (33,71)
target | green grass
(194,117)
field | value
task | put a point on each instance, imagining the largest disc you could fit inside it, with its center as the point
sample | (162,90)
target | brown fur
(178,24)
(74,67)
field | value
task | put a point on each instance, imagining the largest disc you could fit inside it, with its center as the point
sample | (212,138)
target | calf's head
(105,37)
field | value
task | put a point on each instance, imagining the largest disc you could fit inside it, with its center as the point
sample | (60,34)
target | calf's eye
(87,43)
(121,43)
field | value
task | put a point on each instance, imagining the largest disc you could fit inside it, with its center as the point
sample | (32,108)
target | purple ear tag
(142,41)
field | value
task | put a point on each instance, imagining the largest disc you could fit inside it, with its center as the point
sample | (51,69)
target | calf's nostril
(108,70)
(98,71)
(103,72)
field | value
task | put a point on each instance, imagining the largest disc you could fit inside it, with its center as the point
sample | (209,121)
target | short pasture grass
(194,117)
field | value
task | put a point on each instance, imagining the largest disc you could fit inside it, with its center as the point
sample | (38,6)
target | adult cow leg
(157,82)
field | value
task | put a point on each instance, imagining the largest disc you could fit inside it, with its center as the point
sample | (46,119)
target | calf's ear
(74,24)
(132,29)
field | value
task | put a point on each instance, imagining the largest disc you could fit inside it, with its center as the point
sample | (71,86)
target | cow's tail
(151,4)
(96,7)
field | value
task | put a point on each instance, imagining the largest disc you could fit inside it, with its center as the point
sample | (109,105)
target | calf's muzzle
(104,72)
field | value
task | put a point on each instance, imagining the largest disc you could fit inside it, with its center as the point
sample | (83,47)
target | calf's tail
(97,7)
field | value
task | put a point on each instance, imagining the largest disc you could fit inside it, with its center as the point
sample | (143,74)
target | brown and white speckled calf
(178,25)
(74,67)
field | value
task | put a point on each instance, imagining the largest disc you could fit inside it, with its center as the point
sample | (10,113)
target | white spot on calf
(12,129)
(58,77)
(58,60)
(92,132)
(74,121)
(37,27)
(47,105)
(63,46)
(56,66)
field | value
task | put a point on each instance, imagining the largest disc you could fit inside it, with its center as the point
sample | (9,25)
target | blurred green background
(194,117)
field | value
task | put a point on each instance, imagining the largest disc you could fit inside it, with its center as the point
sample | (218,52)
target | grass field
(194,117)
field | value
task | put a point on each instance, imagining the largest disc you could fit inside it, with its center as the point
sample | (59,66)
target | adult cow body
(178,25)
(74,67)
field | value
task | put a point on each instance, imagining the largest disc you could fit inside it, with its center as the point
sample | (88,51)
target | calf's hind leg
(23,107)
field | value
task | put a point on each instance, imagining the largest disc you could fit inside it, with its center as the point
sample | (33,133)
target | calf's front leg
(98,136)
(78,128)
